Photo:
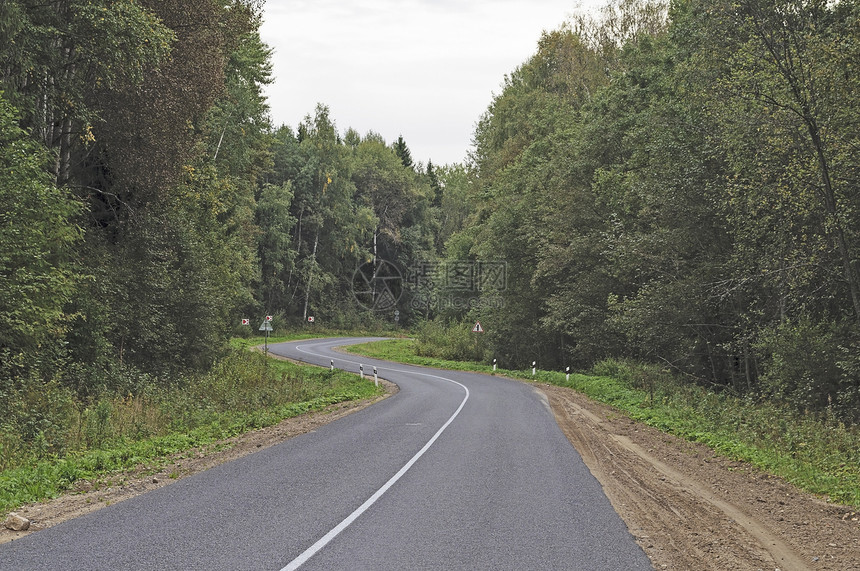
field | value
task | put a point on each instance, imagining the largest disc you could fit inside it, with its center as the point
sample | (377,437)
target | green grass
(244,391)
(247,342)
(309,333)
(820,455)
(402,350)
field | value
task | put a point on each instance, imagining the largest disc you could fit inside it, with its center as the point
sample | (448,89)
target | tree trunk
(65,152)
(310,276)
(804,95)
(829,197)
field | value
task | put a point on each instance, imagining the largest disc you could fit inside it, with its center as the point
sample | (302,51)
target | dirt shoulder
(691,509)
(686,507)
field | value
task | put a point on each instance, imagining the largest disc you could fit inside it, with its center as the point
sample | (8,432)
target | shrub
(452,341)
(801,368)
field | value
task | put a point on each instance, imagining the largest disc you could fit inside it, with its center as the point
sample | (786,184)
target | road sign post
(477,329)
(267,326)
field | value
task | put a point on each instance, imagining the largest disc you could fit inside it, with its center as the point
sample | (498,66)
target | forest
(676,185)
(679,185)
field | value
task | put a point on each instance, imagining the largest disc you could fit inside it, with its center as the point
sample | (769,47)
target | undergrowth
(120,430)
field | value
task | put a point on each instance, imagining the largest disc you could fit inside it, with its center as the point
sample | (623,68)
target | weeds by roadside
(118,430)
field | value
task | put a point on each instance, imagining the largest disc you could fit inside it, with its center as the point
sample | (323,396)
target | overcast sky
(424,69)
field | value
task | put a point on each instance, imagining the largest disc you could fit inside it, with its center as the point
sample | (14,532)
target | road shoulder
(691,509)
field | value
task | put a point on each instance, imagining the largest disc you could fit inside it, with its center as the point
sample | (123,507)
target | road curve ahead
(455,471)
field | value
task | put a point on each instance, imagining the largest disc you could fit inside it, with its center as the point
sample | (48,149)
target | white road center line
(335,531)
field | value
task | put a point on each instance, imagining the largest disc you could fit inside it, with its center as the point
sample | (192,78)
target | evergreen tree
(403,152)
(435,186)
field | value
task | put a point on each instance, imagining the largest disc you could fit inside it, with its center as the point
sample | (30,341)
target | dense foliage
(680,186)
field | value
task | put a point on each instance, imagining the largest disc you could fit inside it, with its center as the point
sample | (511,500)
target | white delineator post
(332,365)
(567,373)
(361,371)
(375,377)
(534,368)
(494,364)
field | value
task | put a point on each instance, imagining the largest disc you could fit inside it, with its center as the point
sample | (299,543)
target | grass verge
(820,455)
(244,391)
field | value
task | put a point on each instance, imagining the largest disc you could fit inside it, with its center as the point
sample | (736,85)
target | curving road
(455,471)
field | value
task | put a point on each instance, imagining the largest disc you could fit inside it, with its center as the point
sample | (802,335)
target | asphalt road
(456,471)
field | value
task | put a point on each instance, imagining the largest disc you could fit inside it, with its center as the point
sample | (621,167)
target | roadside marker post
(494,365)
(332,365)
(567,373)
(534,368)
(361,371)
(375,377)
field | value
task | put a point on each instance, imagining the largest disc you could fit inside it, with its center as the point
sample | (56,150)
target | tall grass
(117,429)
(450,341)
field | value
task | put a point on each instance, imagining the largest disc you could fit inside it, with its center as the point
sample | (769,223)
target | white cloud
(421,68)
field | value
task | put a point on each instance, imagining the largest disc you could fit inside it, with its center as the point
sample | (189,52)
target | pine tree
(435,186)
(403,152)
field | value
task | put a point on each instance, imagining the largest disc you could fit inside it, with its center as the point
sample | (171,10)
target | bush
(801,364)
(452,341)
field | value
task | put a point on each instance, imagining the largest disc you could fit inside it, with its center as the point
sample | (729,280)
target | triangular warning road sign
(477,328)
